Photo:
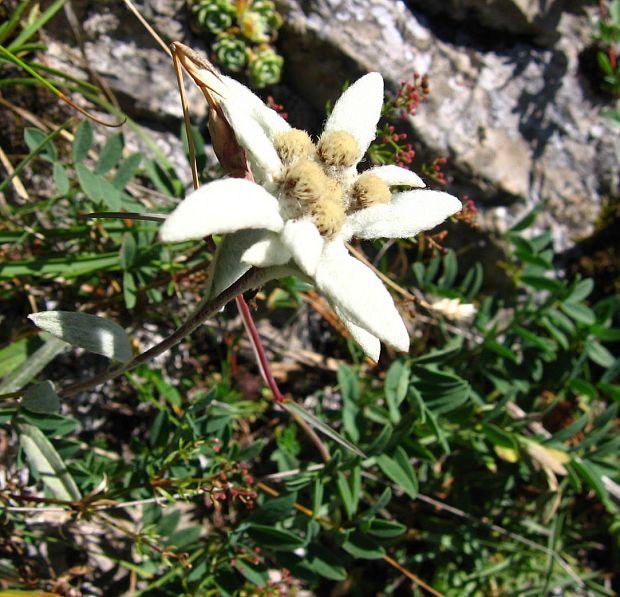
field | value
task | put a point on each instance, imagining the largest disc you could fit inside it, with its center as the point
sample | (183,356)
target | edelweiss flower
(308,201)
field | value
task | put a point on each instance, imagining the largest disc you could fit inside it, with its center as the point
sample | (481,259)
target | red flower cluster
(411,95)
(469,213)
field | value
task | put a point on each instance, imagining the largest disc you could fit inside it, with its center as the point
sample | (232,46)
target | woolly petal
(254,123)
(268,251)
(227,267)
(358,110)
(229,91)
(407,214)
(221,207)
(369,343)
(305,242)
(271,122)
(359,294)
(250,134)
(395,175)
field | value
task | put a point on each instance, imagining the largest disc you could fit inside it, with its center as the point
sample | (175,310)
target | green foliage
(484,462)
(243,32)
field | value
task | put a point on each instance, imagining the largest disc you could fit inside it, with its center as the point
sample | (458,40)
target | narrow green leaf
(130,290)
(450,270)
(442,391)
(542,283)
(420,273)
(362,546)
(61,179)
(581,290)
(318,489)
(32,26)
(90,332)
(439,356)
(184,537)
(18,169)
(386,529)
(557,335)
(606,334)
(110,154)
(599,354)
(14,355)
(527,220)
(49,466)
(536,260)
(97,188)
(89,183)
(579,313)
(346,495)
(534,340)
(295,409)
(399,470)
(159,177)
(257,574)
(381,440)
(127,170)
(581,386)
(127,254)
(604,63)
(348,382)
(612,390)
(382,502)
(29,369)
(273,538)
(67,266)
(559,319)
(472,282)
(12,22)
(83,141)
(438,431)
(325,562)
(274,509)
(396,384)
(501,350)
(589,473)
(35,139)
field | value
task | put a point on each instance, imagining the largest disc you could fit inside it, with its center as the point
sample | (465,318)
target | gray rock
(518,120)
(538,19)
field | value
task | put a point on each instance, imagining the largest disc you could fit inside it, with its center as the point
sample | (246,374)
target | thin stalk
(263,365)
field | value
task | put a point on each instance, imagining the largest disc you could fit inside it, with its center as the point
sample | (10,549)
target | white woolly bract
(369,343)
(267,252)
(395,175)
(358,109)
(222,207)
(356,290)
(407,214)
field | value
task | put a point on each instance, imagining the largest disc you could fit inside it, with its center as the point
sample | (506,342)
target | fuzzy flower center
(311,184)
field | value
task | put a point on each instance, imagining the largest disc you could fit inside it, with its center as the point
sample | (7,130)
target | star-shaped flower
(308,201)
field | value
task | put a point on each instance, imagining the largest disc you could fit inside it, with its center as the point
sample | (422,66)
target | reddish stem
(259,350)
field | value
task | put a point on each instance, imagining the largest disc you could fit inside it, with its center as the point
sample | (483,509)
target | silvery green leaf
(41,398)
(49,466)
(90,332)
